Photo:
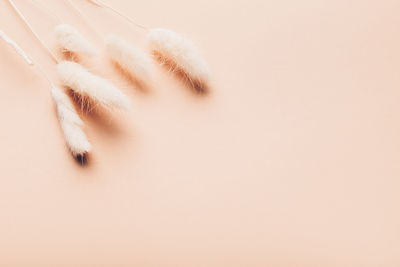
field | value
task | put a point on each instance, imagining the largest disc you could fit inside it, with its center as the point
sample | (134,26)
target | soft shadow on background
(291,160)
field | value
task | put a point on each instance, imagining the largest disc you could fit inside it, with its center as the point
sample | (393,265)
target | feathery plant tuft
(165,45)
(72,41)
(71,123)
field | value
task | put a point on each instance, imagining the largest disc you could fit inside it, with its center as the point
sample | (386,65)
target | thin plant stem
(16,47)
(87,21)
(127,18)
(22,17)
(24,55)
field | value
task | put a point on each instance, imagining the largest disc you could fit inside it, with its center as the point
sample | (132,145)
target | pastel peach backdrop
(291,159)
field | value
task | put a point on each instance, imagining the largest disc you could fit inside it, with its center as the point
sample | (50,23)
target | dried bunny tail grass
(180,51)
(69,119)
(16,47)
(86,84)
(130,58)
(72,41)
(71,124)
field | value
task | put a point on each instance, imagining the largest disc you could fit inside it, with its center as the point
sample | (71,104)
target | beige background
(292,159)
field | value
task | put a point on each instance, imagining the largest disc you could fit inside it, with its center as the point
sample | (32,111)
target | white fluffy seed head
(71,124)
(130,58)
(72,41)
(181,51)
(86,84)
